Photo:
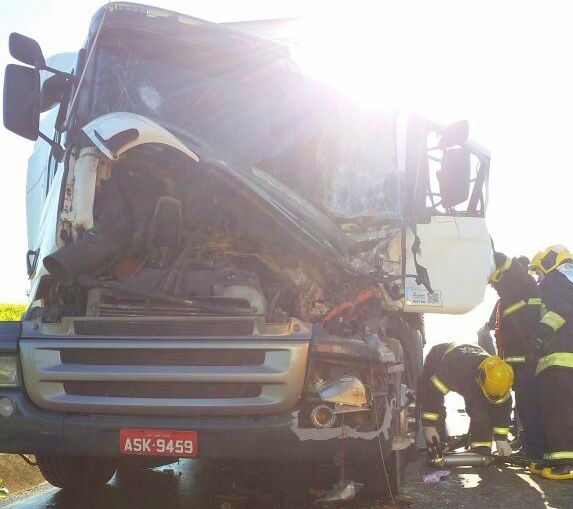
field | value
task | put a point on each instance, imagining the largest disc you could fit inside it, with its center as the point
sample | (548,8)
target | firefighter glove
(430,435)
(503,447)
(541,345)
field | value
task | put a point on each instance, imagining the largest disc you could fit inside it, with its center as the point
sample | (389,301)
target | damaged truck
(227,259)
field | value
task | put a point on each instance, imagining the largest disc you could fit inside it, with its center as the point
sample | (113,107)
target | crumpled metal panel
(343,491)
(344,391)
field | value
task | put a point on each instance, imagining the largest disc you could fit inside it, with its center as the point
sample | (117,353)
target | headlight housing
(9,371)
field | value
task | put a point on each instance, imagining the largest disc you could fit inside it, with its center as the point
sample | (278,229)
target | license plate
(158,442)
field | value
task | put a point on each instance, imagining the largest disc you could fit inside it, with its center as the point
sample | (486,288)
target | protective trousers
(557,409)
(481,425)
(528,406)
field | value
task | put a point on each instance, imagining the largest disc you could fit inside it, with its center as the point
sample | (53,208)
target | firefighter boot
(558,472)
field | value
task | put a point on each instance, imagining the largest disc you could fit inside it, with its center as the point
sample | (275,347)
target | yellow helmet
(550,258)
(495,378)
(503,264)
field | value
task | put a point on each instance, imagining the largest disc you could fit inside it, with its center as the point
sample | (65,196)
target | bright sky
(504,66)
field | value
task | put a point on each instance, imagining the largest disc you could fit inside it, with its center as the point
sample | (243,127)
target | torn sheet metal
(346,391)
(343,491)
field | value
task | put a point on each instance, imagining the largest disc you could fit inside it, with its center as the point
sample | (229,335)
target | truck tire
(376,485)
(412,340)
(74,472)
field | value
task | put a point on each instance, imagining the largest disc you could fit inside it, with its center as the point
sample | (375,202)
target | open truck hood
(116,133)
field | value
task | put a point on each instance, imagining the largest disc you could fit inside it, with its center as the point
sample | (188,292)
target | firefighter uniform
(450,367)
(515,319)
(555,366)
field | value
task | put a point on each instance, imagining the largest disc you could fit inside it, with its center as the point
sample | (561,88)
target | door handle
(32,261)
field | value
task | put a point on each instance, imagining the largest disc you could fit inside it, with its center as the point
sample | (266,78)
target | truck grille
(111,305)
(163,390)
(147,357)
(150,328)
(258,373)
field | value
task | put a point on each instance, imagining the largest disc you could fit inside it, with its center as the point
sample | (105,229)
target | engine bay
(170,232)
(165,246)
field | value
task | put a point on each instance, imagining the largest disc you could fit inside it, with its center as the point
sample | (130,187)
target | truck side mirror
(52,90)
(455,176)
(22,101)
(26,50)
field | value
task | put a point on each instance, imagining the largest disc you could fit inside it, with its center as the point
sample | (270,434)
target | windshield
(254,109)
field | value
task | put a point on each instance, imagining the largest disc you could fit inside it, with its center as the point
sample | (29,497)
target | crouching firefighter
(554,267)
(515,320)
(483,380)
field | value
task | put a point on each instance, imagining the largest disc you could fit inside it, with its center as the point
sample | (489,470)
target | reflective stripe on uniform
(473,445)
(533,301)
(514,359)
(561,359)
(500,431)
(451,346)
(559,455)
(514,307)
(553,320)
(441,386)
(429,416)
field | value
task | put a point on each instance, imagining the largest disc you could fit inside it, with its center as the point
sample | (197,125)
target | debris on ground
(403,500)
(3,490)
(343,491)
(435,477)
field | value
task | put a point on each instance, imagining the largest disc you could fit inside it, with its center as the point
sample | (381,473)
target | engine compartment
(164,246)
(169,231)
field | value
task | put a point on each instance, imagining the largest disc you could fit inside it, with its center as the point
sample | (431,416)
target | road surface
(196,485)
(184,487)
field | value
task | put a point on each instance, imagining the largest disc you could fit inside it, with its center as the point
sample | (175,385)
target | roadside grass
(10,312)
(16,476)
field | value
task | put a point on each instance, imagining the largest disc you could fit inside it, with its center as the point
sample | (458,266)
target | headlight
(9,372)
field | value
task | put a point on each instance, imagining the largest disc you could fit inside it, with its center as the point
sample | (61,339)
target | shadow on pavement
(189,485)
(198,485)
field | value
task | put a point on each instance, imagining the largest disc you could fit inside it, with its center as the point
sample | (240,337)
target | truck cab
(227,260)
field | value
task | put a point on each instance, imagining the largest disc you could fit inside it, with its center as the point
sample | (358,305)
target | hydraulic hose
(465,459)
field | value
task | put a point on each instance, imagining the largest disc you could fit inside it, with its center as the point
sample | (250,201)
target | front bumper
(31,430)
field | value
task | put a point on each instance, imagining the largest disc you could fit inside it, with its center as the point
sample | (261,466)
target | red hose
(363,296)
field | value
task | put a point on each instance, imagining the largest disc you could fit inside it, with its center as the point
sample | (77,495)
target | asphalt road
(198,485)
(184,487)
(488,488)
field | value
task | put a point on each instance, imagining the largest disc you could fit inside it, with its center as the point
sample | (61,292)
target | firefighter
(515,319)
(484,382)
(554,268)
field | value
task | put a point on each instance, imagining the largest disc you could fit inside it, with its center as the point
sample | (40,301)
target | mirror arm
(57,149)
(67,75)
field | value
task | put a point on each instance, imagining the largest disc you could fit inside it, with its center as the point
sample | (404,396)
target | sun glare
(388,56)
(362,56)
